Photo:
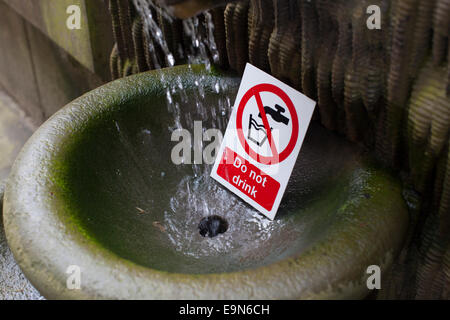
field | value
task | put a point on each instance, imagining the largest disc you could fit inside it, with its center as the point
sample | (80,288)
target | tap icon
(276,114)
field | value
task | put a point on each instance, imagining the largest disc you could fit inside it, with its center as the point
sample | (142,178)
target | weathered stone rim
(30,212)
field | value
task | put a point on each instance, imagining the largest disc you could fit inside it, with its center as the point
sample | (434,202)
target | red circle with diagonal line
(255,91)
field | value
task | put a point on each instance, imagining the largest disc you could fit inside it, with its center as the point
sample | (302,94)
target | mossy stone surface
(78,190)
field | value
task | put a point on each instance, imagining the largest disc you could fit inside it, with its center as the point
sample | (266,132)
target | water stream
(182,228)
(191,193)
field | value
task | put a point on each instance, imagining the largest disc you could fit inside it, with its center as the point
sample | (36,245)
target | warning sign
(249,179)
(262,141)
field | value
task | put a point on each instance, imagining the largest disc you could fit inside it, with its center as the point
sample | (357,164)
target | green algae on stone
(93,166)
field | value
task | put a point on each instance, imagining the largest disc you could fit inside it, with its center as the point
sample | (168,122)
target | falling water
(197,194)
(153,33)
(202,49)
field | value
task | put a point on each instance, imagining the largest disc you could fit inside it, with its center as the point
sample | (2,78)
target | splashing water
(189,204)
(246,229)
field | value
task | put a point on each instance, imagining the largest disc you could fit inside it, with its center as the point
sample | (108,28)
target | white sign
(262,141)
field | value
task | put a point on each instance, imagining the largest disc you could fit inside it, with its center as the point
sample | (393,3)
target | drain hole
(212,226)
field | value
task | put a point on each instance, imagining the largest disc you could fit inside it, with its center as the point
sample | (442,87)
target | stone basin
(95,187)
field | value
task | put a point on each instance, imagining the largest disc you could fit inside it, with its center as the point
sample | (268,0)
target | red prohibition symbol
(276,157)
